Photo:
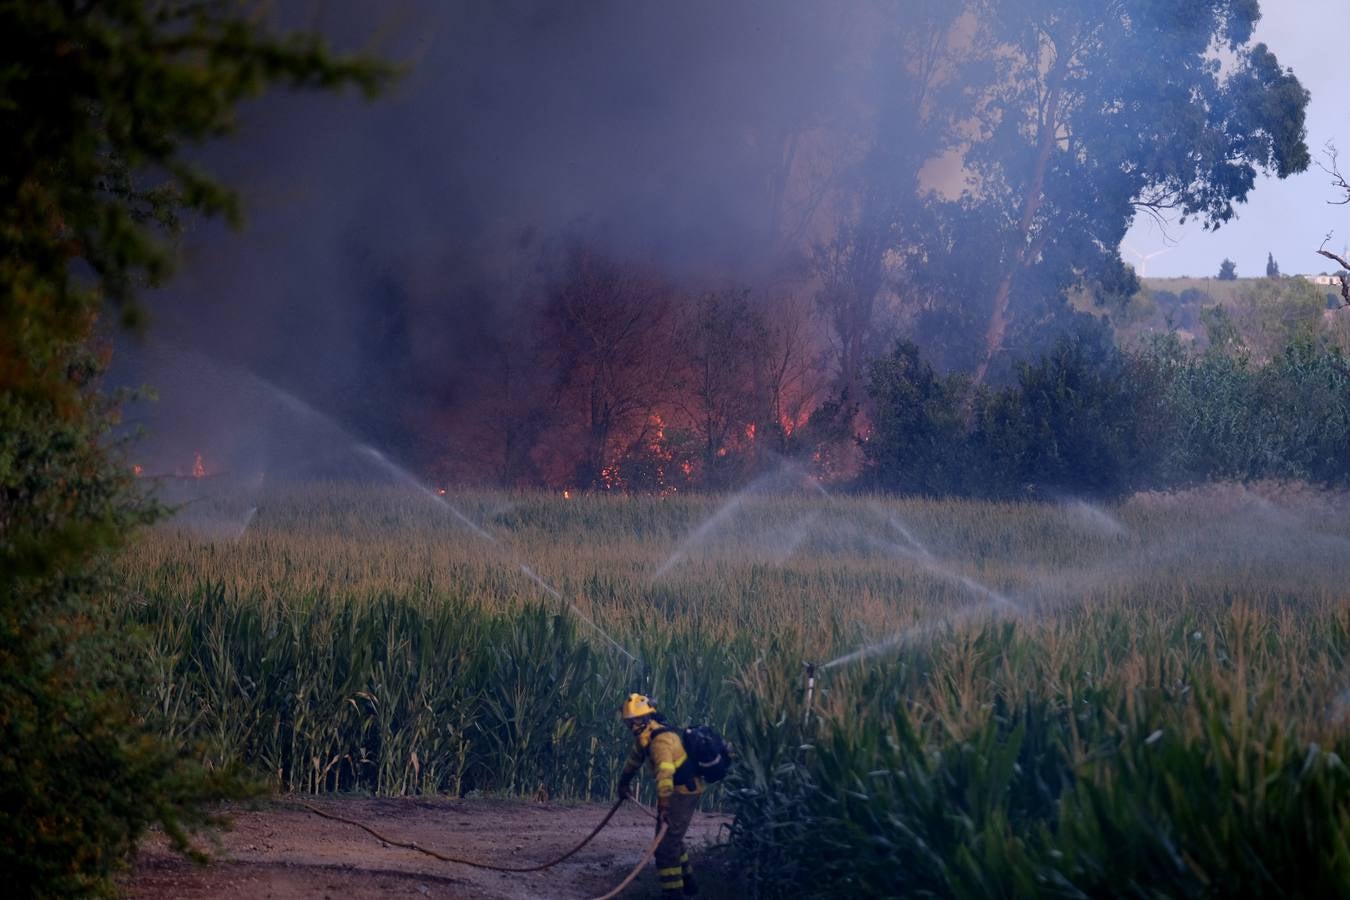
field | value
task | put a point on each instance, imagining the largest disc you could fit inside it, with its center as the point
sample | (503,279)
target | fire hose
(647,854)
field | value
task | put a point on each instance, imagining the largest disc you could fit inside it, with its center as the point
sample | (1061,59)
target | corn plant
(1021,702)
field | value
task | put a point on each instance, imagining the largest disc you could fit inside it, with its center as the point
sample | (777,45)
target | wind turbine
(1145,257)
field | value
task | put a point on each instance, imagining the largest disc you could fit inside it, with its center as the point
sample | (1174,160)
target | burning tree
(722,338)
(509,408)
(789,370)
(850,271)
(612,378)
(611,329)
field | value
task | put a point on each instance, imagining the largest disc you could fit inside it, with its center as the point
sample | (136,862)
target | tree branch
(1342,276)
(1332,168)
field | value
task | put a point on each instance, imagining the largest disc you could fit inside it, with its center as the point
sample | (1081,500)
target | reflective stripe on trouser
(670,855)
(671,879)
(685,866)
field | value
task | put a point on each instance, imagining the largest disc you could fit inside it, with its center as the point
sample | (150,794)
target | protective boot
(687,870)
(671,857)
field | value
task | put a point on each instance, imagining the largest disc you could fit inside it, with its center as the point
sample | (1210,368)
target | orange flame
(198,467)
(789,424)
(137,470)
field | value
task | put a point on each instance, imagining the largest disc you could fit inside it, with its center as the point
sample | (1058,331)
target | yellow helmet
(637,706)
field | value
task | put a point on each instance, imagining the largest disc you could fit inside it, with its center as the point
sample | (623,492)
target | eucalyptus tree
(1074,116)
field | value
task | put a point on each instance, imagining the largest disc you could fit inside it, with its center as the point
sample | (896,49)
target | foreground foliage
(1150,792)
(96,103)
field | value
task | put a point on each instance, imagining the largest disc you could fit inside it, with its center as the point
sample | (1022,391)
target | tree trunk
(998,316)
(1344,279)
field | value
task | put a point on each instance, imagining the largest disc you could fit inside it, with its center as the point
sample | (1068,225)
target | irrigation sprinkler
(810,668)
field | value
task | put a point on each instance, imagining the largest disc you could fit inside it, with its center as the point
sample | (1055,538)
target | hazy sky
(1288,218)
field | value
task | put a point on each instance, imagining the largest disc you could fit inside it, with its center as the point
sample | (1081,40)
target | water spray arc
(901,638)
(248,520)
(403,476)
(333,436)
(724,513)
(916,551)
(925,558)
(407,477)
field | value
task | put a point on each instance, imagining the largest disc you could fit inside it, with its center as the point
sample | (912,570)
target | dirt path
(282,851)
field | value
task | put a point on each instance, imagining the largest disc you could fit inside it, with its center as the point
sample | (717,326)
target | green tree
(1227,270)
(98,101)
(1218,430)
(1075,136)
(1272,267)
(1085,418)
(1270,314)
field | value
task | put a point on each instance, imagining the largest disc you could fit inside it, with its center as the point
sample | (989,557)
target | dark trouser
(672,862)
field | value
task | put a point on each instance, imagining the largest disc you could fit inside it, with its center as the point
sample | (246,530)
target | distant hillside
(1223,291)
(1218,291)
(1260,313)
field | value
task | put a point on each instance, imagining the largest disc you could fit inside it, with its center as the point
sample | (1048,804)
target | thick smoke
(427,270)
(386,243)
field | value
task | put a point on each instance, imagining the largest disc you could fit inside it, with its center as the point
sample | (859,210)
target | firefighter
(659,744)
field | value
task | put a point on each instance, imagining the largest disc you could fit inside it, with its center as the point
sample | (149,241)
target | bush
(918,433)
(1078,421)
(1234,420)
(1088,419)
(1305,393)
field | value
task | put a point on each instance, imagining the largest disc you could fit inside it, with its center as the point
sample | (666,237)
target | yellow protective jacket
(665,753)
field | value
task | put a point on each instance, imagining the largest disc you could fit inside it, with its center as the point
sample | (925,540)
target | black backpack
(709,754)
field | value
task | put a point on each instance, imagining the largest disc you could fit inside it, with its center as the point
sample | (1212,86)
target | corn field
(1013,700)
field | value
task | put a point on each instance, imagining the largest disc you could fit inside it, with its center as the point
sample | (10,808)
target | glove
(662,814)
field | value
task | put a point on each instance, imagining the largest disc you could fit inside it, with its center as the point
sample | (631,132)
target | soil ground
(280,850)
